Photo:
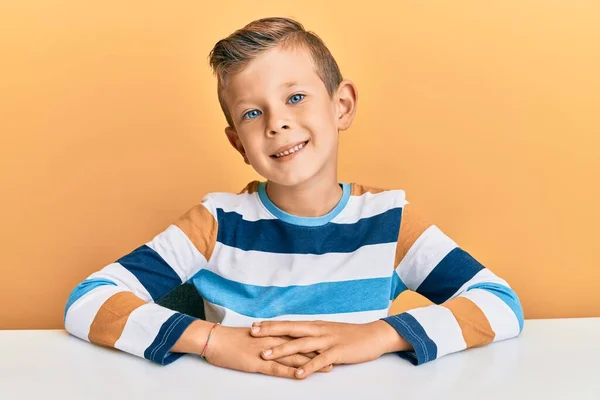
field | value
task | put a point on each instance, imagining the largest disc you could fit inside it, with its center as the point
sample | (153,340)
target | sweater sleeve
(115,306)
(473,306)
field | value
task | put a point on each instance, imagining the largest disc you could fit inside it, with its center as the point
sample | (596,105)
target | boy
(317,260)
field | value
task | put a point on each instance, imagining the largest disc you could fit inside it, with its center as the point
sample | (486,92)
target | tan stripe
(200,227)
(476,328)
(358,190)
(111,318)
(250,188)
(411,227)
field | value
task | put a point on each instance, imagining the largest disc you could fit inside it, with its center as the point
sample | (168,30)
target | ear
(236,142)
(346,101)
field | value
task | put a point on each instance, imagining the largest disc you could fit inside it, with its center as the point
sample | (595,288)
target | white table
(552,359)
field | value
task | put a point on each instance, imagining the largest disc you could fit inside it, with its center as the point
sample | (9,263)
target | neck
(309,199)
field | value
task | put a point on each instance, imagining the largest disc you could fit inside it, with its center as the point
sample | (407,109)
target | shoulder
(375,193)
(245,203)
(230,199)
(216,206)
(366,201)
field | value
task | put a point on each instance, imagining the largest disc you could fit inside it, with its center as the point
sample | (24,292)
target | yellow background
(486,112)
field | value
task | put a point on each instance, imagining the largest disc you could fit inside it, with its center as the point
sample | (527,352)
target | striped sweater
(251,261)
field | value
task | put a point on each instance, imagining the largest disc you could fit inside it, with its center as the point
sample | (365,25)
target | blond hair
(233,53)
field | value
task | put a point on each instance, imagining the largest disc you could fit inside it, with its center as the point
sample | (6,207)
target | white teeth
(290,151)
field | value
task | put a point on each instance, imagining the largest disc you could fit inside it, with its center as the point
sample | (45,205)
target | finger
(273,341)
(310,355)
(319,362)
(298,360)
(326,369)
(302,345)
(289,328)
(295,360)
(274,368)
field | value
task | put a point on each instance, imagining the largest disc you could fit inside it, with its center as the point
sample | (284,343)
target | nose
(278,122)
(279,130)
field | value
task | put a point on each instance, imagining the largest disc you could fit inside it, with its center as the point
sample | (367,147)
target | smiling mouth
(290,151)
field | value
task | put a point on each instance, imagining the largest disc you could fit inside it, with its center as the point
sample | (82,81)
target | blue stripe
(409,328)
(271,301)
(507,295)
(85,287)
(449,275)
(151,270)
(275,236)
(397,286)
(169,333)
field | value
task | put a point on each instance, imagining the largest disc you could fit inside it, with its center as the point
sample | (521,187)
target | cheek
(325,133)
(250,146)
(255,153)
(323,123)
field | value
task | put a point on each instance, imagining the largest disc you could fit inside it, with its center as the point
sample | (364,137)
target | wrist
(194,338)
(210,334)
(391,341)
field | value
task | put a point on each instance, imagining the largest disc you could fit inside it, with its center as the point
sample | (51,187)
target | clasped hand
(297,349)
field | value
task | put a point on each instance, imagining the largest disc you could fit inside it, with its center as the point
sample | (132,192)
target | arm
(115,307)
(473,306)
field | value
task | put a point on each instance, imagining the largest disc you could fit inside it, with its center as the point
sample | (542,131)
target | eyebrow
(289,84)
(285,84)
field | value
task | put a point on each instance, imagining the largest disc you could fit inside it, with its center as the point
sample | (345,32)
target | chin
(291,174)
(287,181)
(290,179)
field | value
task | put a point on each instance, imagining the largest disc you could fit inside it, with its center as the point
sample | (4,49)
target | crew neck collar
(303,221)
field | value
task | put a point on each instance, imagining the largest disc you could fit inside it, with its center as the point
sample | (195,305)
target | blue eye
(296,98)
(251,114)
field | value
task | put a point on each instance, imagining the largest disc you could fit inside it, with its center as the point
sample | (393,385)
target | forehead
(272,70)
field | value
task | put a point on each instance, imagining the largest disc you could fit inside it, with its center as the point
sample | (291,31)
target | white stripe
(227,317)
(424,255)
(142,327)
(247,205)
(81,314)
(441,326)
(501,317)
(369,204)
(273,269)
(123,278)
(483,276)
(178,251)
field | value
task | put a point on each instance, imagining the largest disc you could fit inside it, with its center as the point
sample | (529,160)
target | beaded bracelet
(207,339)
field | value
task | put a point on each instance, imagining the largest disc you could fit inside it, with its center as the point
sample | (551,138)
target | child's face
(279,104)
